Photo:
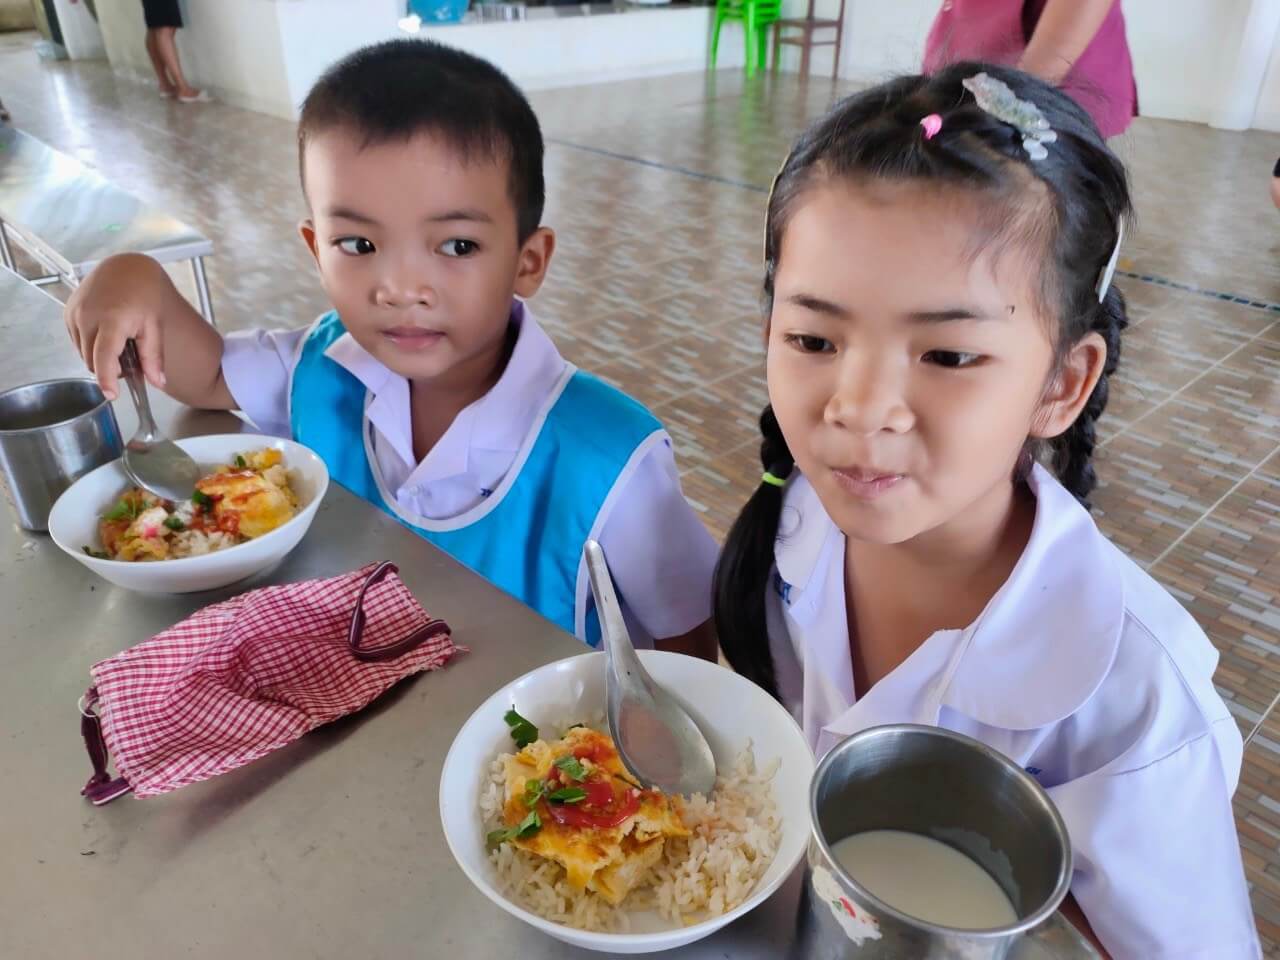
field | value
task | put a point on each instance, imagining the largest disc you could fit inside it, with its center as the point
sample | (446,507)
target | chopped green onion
(241,462)
(100,555)
(202,499)
(174,523)
(533,791)
(526,827)
(572,768)
(522,731)
(574,726)
(122,510)
(568,795)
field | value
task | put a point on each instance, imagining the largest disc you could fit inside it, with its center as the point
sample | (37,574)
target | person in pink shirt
(1078,45)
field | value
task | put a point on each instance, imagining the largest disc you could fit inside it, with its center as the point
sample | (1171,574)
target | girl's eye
(807,343)
(355,246)
(459,248)
(952,359)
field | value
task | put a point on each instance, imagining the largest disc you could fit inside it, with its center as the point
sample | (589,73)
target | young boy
(431,390)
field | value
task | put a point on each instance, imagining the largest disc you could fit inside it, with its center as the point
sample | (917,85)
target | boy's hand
(124,297)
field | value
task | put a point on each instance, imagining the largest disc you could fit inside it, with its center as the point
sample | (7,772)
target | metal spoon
(151,461)
(656,738)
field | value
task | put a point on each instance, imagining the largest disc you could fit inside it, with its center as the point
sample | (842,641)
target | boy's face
(417,250)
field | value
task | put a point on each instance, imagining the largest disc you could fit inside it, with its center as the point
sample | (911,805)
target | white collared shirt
(1088,674)
(660,554)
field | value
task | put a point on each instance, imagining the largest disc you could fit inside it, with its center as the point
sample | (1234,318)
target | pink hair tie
(932,124)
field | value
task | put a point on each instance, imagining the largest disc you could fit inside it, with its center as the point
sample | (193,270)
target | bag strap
(432,628)
(101,788)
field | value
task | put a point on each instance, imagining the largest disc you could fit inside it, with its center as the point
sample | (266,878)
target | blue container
(439,11)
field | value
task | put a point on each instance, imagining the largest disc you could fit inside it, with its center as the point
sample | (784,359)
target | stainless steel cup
(941,785)
(51,434)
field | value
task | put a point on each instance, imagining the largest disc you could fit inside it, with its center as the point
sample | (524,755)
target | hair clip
(1109,271)
(768,204)
(994,97)
(932,124)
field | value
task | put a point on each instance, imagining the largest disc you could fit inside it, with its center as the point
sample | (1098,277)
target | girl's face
(906,373)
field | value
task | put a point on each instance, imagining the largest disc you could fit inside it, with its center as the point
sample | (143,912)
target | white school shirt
(1084,671)
(660,554)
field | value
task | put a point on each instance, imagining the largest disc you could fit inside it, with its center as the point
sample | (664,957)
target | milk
(926,879)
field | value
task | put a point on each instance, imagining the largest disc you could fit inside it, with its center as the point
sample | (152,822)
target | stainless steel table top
(71,218)
(331,847)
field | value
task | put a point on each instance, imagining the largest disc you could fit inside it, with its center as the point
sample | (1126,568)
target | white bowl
(730,710)
(73,522)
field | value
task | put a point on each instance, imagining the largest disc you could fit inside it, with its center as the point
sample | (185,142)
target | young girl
(941,331)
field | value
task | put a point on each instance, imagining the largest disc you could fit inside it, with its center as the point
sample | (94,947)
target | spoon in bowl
(656,738)
(153,462)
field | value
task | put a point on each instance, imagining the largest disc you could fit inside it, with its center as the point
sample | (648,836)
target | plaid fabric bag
(239,679)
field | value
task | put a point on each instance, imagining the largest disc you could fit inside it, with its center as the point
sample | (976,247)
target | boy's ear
(307,229)
(534,259)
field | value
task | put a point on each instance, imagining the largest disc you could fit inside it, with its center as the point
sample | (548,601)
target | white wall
(232,47)
(882,39)
(229,47)
(1183,51)
(80,33)
(1267,116)
(315,33)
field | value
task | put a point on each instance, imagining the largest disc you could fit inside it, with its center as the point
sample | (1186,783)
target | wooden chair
(807,26)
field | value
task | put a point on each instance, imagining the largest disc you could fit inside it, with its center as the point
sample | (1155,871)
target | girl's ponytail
(742,575)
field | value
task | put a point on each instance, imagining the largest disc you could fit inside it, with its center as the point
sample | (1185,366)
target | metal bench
(69,219)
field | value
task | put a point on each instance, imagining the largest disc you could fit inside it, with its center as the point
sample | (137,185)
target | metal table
(331,847)
(70,218)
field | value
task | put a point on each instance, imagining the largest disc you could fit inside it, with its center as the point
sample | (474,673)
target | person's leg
(167,86)
(169,55)
(4,114)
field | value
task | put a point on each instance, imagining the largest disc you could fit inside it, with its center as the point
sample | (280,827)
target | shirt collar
(1047,639)
(498,421)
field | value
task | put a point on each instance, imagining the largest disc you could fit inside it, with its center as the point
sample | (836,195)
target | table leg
(202,289)
(6,255)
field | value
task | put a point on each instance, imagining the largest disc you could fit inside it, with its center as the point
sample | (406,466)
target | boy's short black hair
(397,89)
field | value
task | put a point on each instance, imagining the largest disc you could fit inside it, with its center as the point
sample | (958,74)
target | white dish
(730,710)
(73,522)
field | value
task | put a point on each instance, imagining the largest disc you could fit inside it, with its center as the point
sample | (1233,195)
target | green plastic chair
(756,17)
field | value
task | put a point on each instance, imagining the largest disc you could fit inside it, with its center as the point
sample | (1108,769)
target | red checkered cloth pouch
(244,677)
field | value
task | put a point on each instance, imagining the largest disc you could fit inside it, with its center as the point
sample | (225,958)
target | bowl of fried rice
(545,820)
(254,501)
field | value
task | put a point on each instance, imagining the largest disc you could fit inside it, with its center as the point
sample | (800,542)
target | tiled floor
(657,193)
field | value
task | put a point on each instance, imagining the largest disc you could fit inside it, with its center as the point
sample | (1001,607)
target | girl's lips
(867,484)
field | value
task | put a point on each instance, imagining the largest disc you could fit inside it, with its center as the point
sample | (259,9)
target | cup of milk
(927,845)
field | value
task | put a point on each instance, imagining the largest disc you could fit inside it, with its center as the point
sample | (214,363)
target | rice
(196,543)
(735,835)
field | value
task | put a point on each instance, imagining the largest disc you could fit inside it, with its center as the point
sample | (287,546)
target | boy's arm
(130,296)
(1063,33)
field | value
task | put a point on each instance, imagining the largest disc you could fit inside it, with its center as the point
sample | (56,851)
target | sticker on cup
(857,924)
